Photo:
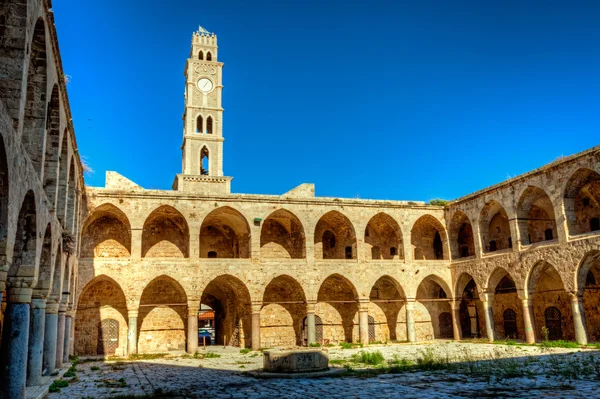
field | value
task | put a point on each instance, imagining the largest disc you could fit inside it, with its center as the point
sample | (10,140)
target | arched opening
(510,324)
(208,56)
(24,252)
(34,118)
(535,215)
(201,55)
(494,227)
(229,298)
(472,321)
(282,236)
(462,243)
(162,319)
(427,238)
(101,322)
(165,234)
(63,178)
(45,274)
(546,289)
(106,234)
(51,158)
(284,308)
(199,124)
(588,278)
(209,125)
(505,298)
(385,301)
(432,301)
(582,202)
(4,191)
(553,319)
(337,304)
(383,238)
(204,162)
(225,232)
(333,234)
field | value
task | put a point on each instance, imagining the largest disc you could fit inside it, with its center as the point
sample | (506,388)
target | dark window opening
(505,286)
(510,324)
(548,234)
(442,294)
(209,125)
(464,252)
(208,56)
(201,55)
(510,242)
(204,164)
(586,201)
(438,249)
(212,254)
(199,124)
(393,251)
(492,246)
(348,252)
(594,224)
(590,279)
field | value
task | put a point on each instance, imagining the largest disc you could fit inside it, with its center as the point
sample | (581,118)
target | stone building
(41,200)
(519,259)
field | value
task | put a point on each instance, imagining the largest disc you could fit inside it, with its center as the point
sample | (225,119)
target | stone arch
(165,234)
(335,237)
(225,233)
(50,180)
(4,195)
(337,304)
(546,289)
(230,299)
(106,233)
(432,300)
(428,239)
(63,178)
(462,240)
(162,318)
(582,201)
(44,280)
(282,313)
(34,118)
(535,215)
(471,310)
(282,236)
(588,287)
(23,267)
(201,55)
(505,298)
(383,238)
(388,295)
(101,299)
(494,227)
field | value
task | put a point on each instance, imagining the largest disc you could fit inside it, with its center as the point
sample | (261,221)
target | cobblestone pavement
(223,377)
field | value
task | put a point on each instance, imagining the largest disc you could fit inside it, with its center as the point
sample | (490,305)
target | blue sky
(377,99)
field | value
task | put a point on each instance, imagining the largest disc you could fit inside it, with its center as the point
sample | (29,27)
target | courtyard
(442,369)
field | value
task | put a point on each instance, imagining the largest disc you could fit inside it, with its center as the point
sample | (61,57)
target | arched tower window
(201,55)
(204,164)
(209,125)
(208,56)
(199,123)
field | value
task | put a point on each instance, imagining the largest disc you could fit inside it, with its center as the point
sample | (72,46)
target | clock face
(205,85)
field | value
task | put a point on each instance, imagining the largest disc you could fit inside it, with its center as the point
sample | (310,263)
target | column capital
(19,295)
(256,307)
(132,313)
(575,297)
(455,304)
(526,302)
(311,307)
(62,308)
(38,303)
(51,308)
(192,312)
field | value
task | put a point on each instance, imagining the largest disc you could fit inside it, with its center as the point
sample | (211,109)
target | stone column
(132,332)
(363,322)
(487,300)
(67,338)
(410,321)
(455,306)
(36,342)
(15,337)
(579,320)
(255,328)
(60,335)
(310,324)
(72,336)
(192,331)
(50,330)
(528,321)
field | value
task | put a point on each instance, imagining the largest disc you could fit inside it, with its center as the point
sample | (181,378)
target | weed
(242,366)
(147,356)
(94,368)
(372,358)
(208,355)
(245,351)
(559,344)
(57,385)
(69,374)
(337,361)
(314,345)
(253,355)
(350,345)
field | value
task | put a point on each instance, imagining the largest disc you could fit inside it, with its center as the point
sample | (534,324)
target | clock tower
(202,147)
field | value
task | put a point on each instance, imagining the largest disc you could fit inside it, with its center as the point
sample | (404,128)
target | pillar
(60,335)
(487,300)
(528,321)
(136,242)
(132,316)
(50,330)
(67,338)
(363,322)
(455,306)
(310,324)
(192,331)
(15,337)
(579,320)
(410,321)
(36,342)
(72,336)
(255,328)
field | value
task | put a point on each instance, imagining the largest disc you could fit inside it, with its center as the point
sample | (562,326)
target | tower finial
(203,31)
